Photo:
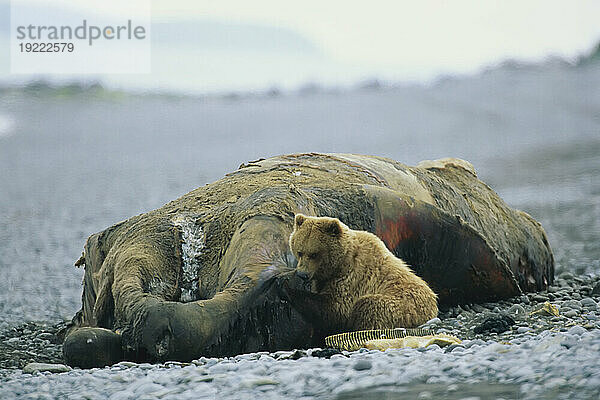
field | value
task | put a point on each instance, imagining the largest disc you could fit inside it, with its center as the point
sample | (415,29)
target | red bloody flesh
(451,256)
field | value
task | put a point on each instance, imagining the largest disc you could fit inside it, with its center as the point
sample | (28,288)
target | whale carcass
(206,274)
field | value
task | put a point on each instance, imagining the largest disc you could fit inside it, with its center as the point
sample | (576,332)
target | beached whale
(209,273)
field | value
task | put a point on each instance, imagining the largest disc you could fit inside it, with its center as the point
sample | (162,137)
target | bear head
(320,244)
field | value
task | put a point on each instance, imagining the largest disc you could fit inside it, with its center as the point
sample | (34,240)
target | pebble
(575,304)
(43,367)
(259,382)
(147,388)
(570,313)
(433,321)
(496,323)
(577,330)
(362,365)
(517,311)
(122,395)
(471,343)
(479,309)
(46,336)
(454,348)
(566,276)
(523,329)
(589,303)
(591,316)
(554,382)
(452,388)
(126,364)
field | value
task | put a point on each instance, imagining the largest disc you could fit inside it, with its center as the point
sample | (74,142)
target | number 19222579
(46,47)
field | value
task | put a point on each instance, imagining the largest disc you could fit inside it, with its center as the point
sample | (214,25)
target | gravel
(535,367)
(540,356)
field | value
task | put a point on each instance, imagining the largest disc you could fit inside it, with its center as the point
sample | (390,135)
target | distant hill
(206,34)
(228,36)
(593,57)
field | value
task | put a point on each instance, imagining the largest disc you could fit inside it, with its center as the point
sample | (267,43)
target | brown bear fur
(361,283)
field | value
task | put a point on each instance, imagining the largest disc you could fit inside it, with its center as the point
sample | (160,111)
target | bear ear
(299,219)
(333,227)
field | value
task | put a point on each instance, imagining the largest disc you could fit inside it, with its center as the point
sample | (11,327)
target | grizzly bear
(357,282)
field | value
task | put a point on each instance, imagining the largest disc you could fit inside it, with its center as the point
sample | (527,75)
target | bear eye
(300,254)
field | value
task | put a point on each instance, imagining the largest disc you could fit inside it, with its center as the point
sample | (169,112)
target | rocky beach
(521,351)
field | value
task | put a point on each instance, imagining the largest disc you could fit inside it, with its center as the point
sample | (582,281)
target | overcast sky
(418,32)
(392,32)
(401,39)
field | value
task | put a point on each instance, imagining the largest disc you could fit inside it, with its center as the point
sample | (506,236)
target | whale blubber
(451,228)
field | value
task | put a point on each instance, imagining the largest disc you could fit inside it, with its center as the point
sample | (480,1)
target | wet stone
(362,365)
(566,276)
(479,309)
(540,297)
(495,323)
(575,304)
(569,342)
(148,388)
(260,382)
(577,330)
(571,313)
(471,343)
(431,322)
(517,311)
(325,353)
(296,355)
(46,336)
(591,316)
(43,367)
(589,303)
(555,382)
